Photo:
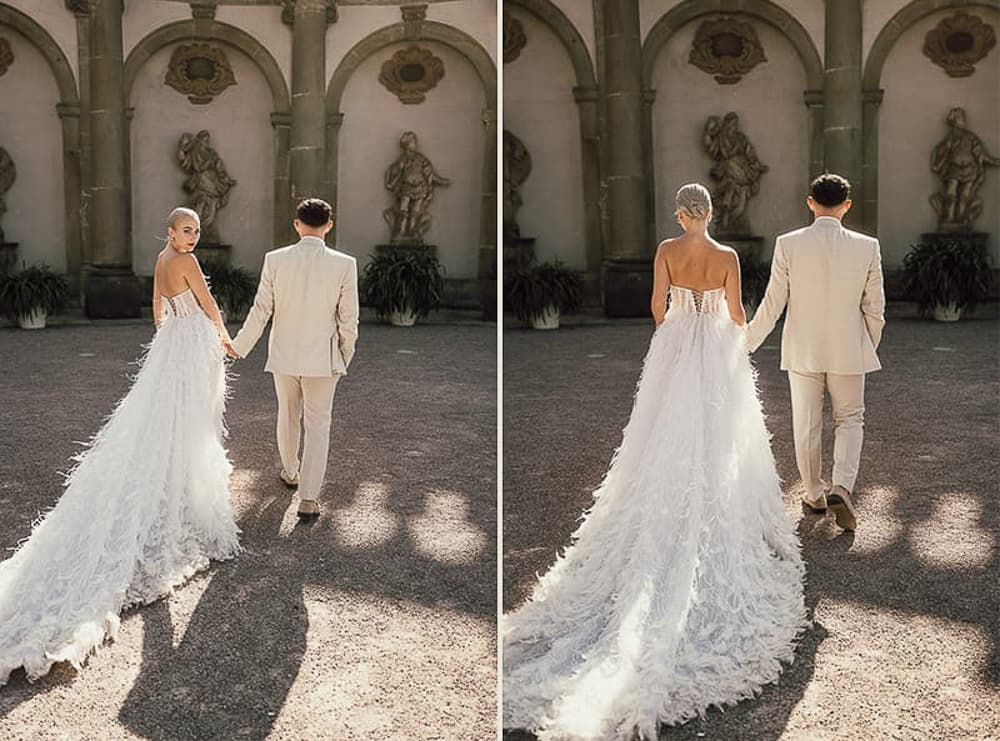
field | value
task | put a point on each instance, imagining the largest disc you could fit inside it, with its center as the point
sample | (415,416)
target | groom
(312,292)
(830,278)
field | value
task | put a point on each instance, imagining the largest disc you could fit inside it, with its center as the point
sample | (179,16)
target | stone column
(842,112)
(869,179)
(307,157)
(628,263)
(112,289)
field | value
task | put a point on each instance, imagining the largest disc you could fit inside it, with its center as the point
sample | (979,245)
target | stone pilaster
(869,178)
(112,289)
(307,152)
(628,263)
(842,110)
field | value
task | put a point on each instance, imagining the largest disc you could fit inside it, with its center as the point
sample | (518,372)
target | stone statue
(960,160)
(516,168)
(736,172)
(8,174)
(207,184)
(412,180)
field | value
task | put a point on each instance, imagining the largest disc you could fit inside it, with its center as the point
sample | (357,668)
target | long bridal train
(145,507)
(683,587)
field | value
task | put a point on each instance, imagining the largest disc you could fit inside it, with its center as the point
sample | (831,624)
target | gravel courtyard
(376,621)
(906,636)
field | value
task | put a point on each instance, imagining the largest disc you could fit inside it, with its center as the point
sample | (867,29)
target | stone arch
(871,81)
(68,110)
(763,10)
(586,95)
(192,30)
(481,61)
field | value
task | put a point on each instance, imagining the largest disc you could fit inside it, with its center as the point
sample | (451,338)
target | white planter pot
(949,313)
(549,319)
(403,318)
(35,320)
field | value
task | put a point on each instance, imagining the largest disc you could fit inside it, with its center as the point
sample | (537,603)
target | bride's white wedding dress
(145,506)
(683,587)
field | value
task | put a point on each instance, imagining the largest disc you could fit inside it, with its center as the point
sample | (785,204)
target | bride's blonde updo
(181,213)
(694,201)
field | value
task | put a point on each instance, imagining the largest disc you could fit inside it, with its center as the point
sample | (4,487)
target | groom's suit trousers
(305,401)
(847,397)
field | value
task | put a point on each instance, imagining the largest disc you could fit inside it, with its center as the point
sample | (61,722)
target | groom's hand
(230,351)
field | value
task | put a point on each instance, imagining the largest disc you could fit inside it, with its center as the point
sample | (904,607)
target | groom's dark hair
(830,189)
(314,212)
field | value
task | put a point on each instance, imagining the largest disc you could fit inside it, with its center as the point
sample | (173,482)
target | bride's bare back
(696,261)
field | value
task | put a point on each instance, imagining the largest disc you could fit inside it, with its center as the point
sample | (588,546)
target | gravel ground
(906,636)
(377,621)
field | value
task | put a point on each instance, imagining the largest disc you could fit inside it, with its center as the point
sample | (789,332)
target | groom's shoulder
(793,234)
(334,254)
(860,236)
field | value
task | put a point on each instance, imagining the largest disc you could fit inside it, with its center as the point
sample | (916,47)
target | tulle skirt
(146,505)
(682,588)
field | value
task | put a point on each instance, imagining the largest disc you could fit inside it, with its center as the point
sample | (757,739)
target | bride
(683,586)
(147,504)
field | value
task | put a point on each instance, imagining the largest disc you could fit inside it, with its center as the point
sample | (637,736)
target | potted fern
(30,295)
(233,287)
(402,284)
(947,278)
(539,294)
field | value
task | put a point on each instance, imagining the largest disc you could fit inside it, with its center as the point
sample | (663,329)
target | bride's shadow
(232,669)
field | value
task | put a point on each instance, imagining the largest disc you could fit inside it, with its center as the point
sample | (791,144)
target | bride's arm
(661,285)
(157,298)
(196,282)
(734,296)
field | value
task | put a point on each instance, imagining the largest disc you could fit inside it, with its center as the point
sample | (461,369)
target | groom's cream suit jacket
(830,279)
(312,292)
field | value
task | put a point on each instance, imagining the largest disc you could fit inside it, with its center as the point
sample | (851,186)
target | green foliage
(754,275)
(939,274)
(528,293)
(233,288)
(404,279)
(33,288)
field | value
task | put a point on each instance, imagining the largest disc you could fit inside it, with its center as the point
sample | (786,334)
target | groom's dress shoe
(308,508)
(816,505)
(839,501)
(287,480)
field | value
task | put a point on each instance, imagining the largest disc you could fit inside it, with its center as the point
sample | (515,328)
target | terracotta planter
(947,313)
(35,320)
(548,319)
(403,318)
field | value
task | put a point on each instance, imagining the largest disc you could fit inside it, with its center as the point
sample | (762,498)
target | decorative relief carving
(960,160)
(200,72)
(6,56)
(207,183)
(736,172)
(411,73)
(413,20)
(514,38)
(411,179)
(8,174)
(958,42)
(516,168)
(727,48)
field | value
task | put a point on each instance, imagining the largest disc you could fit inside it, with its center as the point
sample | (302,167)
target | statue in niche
(516,168)
(207,184)
(8,174)
(736,172)
(411,179)
(960,160)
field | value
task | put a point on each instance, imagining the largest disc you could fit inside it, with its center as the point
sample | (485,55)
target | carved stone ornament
(514,38)
(288,10)
(411,73)
(958,42)
(960,161)
(727,48)
(6,56)
(516,168)
(8,174)
(411,179)
(200,72)
(736,172)
(207,183)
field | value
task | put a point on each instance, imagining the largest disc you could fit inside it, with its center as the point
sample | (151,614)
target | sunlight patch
(367,522)
(444,531)
(952,537)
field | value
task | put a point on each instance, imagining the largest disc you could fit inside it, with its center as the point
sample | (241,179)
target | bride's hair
(181,213)
(694,201)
